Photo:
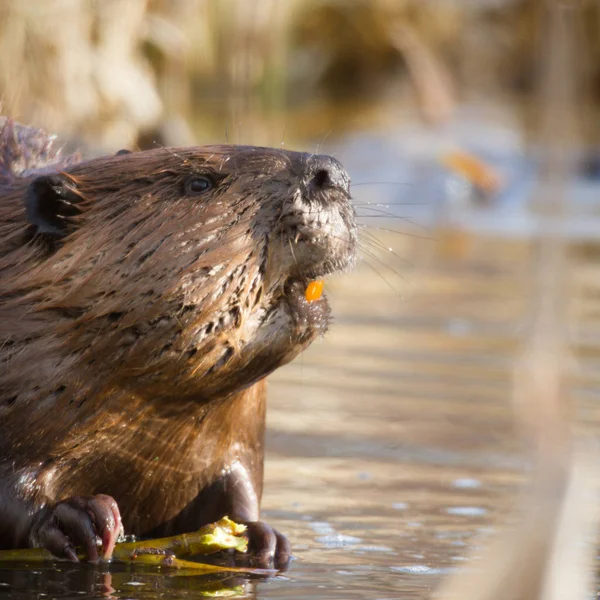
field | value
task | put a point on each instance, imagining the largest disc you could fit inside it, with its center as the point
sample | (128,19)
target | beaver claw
(83,521)
(267,547)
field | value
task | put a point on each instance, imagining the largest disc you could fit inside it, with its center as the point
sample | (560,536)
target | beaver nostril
(321,178)
(326,172)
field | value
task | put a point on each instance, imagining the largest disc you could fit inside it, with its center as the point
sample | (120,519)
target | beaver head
(170,272)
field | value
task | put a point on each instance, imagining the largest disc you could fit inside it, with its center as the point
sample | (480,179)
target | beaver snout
(316,232)
(326,173)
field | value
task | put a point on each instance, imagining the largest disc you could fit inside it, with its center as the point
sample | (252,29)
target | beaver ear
(49,202)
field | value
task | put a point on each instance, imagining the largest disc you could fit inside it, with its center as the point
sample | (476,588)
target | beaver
(144,298)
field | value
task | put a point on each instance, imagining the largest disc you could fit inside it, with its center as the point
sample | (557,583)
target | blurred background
(395,452)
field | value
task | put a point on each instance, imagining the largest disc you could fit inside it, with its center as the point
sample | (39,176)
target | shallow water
(392,455)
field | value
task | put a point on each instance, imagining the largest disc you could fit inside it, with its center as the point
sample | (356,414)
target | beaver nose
(326,172)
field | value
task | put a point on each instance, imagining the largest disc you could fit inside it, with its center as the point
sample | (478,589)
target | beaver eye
(198,184)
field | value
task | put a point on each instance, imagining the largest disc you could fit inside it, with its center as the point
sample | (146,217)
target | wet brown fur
(129,360)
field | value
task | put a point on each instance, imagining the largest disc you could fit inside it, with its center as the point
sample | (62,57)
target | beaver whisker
(367,237)
(405,183)
(376,258)
(385,213)
(406,233)
(388,204)
(372,247)
(378,273)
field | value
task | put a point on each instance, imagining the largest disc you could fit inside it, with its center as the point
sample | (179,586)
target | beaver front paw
(267,547)
(84,521)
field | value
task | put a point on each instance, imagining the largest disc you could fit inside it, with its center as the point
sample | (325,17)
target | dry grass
(105,71)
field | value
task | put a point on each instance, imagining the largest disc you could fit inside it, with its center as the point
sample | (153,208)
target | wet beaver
(144,297)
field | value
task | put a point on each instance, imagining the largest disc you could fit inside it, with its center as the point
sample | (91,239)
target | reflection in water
(63,580)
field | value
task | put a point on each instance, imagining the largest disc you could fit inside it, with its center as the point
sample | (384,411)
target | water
(392,455)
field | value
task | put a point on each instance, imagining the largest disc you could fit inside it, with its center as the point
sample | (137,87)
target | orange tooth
(314,290)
